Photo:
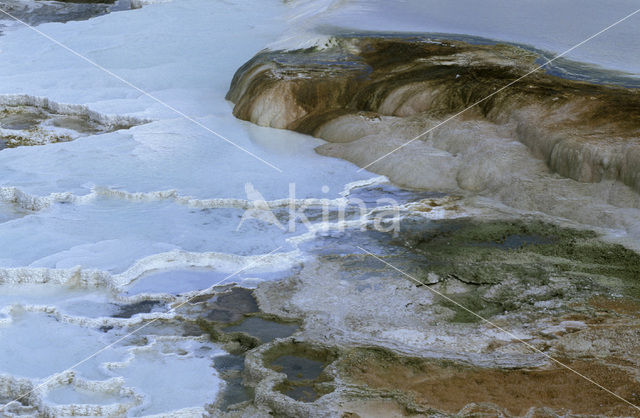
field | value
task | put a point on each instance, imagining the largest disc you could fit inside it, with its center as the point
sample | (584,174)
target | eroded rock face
(370,95)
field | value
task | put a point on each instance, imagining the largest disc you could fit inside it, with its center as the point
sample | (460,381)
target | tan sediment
(622,306)
(451,387)
(378,408)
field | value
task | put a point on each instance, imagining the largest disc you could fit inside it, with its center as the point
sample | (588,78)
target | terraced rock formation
(369,95)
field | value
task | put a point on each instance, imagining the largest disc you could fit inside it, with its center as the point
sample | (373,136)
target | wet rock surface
(235,392)
(233,318)
(146,306)
(232,306)
(263,329)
